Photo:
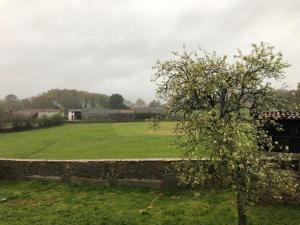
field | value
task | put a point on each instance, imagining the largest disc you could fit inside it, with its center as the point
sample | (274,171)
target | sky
(110,46)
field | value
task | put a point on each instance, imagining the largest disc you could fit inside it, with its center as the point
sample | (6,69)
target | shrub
(18,123)
(50,121)
(146,116)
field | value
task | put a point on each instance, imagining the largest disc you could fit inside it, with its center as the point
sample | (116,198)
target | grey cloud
(110,46)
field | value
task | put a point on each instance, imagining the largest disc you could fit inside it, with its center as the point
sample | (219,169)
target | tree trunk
(241,209)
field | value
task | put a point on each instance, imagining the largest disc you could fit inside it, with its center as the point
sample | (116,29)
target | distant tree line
(67,99)
(62,100)
(55,98)
(290,98)
(116,101)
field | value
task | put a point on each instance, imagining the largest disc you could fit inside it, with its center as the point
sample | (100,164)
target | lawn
(49,203)
(91,141)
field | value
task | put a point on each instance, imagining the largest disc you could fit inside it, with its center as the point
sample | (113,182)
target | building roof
(94,111)
(30,112)
(47,110)
(125,111)
(113,111)
(25,113)
(74,110)
(282,115)
(146,110)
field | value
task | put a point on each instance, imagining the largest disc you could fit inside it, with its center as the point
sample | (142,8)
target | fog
(110,46)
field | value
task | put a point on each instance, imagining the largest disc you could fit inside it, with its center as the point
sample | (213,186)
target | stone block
(43,178)
(170,181)
(88,181)
(145,183)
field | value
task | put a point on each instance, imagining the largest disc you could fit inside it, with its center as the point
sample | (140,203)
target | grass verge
(49,203)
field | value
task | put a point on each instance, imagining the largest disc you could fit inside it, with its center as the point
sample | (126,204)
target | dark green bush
(18,123)
(50,121)
(145,116)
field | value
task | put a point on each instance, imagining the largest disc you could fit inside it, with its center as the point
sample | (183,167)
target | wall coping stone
(100,160)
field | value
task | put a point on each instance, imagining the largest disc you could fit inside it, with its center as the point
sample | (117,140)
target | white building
(74,114)
(47,113)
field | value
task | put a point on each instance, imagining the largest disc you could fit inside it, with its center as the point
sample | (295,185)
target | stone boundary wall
(146,173)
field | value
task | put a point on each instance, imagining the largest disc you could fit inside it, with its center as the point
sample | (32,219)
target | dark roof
(46,110)
(94,111)
(30,112)
(74,110)
(113,111)
(127,111)
(282,115)
(146,110)
(24,113)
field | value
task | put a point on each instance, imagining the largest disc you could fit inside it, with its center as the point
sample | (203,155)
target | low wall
(148,173)
(151,173)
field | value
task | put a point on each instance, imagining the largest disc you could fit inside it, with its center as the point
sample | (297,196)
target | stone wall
(150,173)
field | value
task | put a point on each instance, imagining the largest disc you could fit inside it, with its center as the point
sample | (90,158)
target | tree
(290,98)
(155,104)
(57,98)
(223,105)
(140,103)
(11,98)
(65,98)
(2,114)
(116,101)
(2,110)
(128,103)
(11,102)
(26,103)
(296,97)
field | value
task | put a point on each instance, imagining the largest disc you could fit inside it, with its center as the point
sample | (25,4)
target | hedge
(11,124)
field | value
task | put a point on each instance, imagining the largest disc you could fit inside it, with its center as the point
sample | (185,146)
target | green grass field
(37,203)
(91,141)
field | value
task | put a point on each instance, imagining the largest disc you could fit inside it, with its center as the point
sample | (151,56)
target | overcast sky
(109,46)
